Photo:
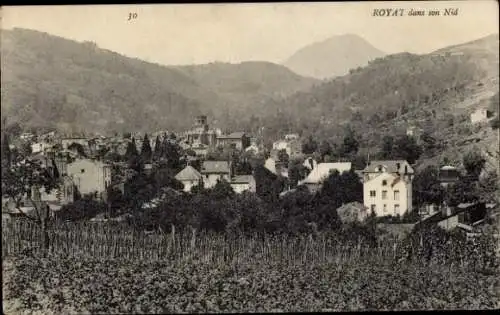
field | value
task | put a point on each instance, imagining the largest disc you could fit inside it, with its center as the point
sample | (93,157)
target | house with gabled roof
(314,181)
(241,183)
(238,140)
(387,187)
(214,171)
(190,177)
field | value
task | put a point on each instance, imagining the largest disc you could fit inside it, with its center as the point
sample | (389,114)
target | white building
(190,177)
(243,183)
(38,147)
(276,167)
(214,171)
(314,181)
(254,148)
(292,136)
(387,187)
(480,115)
(90,177)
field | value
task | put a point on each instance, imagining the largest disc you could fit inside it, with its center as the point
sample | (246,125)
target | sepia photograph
(250,157)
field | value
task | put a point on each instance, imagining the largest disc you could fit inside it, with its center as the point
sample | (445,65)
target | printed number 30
(132,16)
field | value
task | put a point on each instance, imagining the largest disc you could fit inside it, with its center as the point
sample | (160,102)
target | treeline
(221,210)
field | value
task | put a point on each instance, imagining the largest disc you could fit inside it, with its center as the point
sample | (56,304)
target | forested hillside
(435,92)
(48,81)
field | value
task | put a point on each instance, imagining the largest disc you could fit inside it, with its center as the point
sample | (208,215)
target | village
(280,157)
(204,156)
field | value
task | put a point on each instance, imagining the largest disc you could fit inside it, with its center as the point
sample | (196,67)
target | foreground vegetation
(100,268)
(115,286)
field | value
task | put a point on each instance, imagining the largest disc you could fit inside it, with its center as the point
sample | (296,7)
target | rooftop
(392,166)
(323,170)
(234,135)
(215,167)
(242,179)
(188,173)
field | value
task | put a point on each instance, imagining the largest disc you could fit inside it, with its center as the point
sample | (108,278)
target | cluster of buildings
(387,185)
(201,138)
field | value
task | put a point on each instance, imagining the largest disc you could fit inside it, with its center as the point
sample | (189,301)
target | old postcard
(265,157)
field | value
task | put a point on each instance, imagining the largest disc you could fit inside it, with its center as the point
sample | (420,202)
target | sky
(176,34)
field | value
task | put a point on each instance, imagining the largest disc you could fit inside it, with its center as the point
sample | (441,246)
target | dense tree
(146,152)
(427,188)
(283,156)
(222,190)
(325,149)
(296,172)
(474,163)
(83,209)
(406,148)
(78,148)
(310,146)
(5,151)
(463,191)
(350,144)
(173,155)
(429,143)
(268,185)
(158,148)
(25,149)
(359,162)
(139,189)
(131,152)
(386,151)
(26,180)
(165,177)
(339,189)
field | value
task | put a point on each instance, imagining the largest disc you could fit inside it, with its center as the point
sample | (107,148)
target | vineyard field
(115,286)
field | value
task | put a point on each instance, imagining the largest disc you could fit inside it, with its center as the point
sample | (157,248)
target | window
(384,194)
(373,193)
(384,183)
(82,170)
(396,195)
(396,209)
(385,208)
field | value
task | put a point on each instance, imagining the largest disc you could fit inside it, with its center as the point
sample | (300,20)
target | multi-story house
(237,140)
(90,177)
(243,183)
(387,187)
(214,171)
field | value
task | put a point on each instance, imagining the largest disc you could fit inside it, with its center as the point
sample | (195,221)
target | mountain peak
(334,56)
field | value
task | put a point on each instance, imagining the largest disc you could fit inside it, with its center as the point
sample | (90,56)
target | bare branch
(37,211)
